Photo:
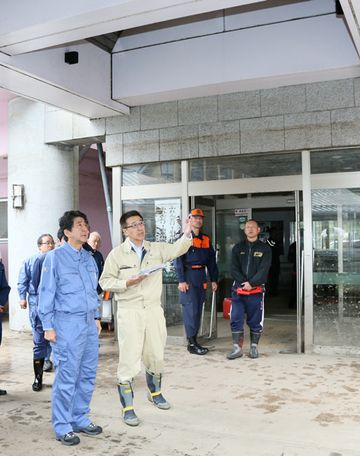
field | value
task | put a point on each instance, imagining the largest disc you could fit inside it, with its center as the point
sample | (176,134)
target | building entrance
(225,217)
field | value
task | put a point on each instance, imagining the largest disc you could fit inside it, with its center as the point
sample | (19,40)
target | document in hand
(148,271)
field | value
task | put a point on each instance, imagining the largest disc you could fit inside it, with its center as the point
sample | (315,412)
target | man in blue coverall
(4,293)
(68,308)
(27,294)
(191,272)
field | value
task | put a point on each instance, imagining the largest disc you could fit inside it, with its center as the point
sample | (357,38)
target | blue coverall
(68,304)
(27,291)
(190,268)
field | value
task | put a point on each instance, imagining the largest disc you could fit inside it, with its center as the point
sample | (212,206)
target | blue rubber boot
(254,338)
(154,395)
(126,398)
(238,341)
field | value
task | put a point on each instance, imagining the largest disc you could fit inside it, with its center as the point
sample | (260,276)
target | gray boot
(153,382)
(238,341)
(126,398)
(254,338)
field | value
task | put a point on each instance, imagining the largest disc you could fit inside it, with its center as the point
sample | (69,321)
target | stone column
(49,174)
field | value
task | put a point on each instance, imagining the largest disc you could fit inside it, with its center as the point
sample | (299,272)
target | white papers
(148,271)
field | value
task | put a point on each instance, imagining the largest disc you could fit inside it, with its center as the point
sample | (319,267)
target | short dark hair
(40,238)
(127,215)
(66,222)
(60,234)
(253,220)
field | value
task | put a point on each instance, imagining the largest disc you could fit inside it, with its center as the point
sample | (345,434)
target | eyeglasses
(136,224)
(48,243)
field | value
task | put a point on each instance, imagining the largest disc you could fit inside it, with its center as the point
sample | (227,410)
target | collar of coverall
(74,253)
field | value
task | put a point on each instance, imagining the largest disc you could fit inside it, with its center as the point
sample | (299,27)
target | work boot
(200,346)
(48,366)
(38,371)
(68,439)
(126,398)
(194,348)
(91,429)
(153,382)
(238,341)
(254,340)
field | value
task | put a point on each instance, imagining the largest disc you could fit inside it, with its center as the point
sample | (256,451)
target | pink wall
(3,164)
(91,197)
(3,147)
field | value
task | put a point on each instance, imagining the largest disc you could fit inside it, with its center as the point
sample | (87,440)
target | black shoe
(37,385)
(196,349)
(90,429)
(3,392)
(48,366)
(69,439)
(204,349)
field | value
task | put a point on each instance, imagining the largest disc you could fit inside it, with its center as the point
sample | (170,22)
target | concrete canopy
(170,49)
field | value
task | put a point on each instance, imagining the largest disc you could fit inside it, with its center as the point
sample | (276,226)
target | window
(3,220)
(151,173)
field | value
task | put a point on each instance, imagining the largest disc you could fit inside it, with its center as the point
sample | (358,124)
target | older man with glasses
(28,294)
(133,272)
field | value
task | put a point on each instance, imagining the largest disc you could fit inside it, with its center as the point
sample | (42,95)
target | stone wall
(308,116)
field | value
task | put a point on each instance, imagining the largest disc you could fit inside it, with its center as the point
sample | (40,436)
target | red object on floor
(226,308)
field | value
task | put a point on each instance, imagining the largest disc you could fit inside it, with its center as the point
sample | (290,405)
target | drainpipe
(105,186)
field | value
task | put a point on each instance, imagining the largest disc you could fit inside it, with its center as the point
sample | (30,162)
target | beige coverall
(140,317)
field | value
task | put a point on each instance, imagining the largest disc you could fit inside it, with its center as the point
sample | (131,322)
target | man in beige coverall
(140,317)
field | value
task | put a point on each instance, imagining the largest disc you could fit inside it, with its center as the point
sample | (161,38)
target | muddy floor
(278,405)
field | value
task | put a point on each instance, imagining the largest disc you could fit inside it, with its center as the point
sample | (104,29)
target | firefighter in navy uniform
(250,264)
(191,272)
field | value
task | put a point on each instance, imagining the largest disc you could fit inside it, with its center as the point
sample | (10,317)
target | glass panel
(151,173)
(243,166)
(336,237)
(335,161)
(3,220)
(163,224)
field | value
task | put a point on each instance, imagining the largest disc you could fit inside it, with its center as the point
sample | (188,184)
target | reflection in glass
(151,173)
(162,219)
(335,161)
(336,239)
(244,166)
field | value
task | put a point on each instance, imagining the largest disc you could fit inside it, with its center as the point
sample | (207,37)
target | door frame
(304,182)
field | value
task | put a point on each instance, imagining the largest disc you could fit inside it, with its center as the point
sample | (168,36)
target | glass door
(275,212)
(336,267)
(297,249)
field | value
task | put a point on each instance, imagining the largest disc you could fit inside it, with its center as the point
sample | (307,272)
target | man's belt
(255,290)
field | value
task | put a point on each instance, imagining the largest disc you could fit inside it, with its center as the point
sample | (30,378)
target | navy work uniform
(26,290)
(191,268)
(250,263)
(68,304)
(4,294)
